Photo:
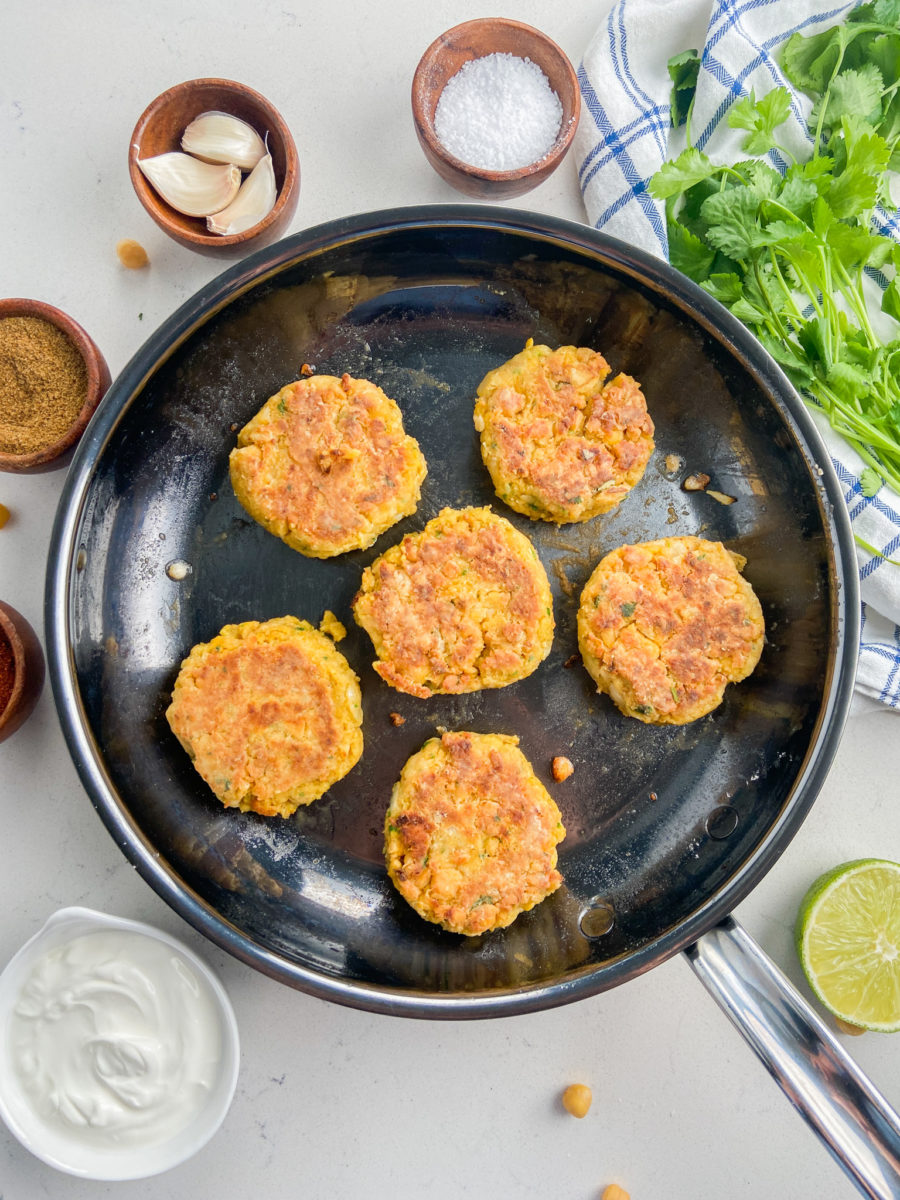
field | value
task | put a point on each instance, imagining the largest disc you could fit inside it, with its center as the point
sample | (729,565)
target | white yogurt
(115,1037)
(120,1052)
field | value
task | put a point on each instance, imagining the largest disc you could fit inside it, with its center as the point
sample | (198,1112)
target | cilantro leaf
(684,70)
(789,358)
(757,174)
(761,118)
(884,53)
(813,336)
(885,12)
(849,381)
(724,287)
(869,482)
(852,94)
(856,247)
(890,301)
(798,192)
(690,167)
(809,62)
(855,188)
(688,253)
(777,233)
(731,215)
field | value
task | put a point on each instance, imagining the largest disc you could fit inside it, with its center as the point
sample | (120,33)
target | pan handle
(820,1079)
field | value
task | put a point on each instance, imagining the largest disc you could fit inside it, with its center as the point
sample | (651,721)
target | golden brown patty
(664,626)
(270,713)
(463,605)
(471,833)
(559,442)
(325,465)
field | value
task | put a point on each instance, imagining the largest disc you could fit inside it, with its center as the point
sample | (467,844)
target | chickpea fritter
(270,713)
(665,626)
(326,466)
(559,442)
(471,833)
(463,605)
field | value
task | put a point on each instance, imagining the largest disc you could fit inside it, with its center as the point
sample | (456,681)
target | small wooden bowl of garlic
(215,166)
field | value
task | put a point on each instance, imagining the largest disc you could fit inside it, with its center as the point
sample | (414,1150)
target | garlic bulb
(255,200)
(192,187)
(218,137)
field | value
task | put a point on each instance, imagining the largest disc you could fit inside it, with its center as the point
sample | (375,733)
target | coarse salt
(498,113)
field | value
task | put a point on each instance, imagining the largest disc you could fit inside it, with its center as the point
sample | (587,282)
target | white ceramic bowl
(50,1141)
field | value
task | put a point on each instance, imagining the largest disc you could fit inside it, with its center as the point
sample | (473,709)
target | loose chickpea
(561,768)
(4,515)
(577,1099)
(846,1027)
(132,254)
(614,1192)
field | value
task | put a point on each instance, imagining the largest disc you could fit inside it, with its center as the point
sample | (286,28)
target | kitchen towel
(624,137)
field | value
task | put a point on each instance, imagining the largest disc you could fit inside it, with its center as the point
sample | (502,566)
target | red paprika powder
(7,672)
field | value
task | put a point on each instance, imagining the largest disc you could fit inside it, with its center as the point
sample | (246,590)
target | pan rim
(645,270)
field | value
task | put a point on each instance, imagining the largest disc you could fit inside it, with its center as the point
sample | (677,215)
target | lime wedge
(848,939)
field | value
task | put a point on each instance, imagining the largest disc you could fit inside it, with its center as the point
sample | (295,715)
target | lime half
(848,939)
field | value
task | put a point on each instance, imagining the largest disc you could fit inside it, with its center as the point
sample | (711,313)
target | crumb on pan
(696,482)
(330,624)
(561,768)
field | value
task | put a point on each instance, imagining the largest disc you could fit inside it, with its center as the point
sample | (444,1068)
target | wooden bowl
(57,454)
(159,130)
(28,669)
(475,39)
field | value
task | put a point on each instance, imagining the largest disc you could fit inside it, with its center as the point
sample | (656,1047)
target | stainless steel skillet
(669,828)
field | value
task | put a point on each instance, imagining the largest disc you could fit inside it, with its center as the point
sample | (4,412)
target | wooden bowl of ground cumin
(52,377)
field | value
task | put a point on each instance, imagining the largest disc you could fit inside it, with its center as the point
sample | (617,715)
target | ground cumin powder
(43,384)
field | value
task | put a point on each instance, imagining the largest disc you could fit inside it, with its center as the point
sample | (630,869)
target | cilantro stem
(874,552)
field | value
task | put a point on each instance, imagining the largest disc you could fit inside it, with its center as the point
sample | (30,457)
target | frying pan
(668,827)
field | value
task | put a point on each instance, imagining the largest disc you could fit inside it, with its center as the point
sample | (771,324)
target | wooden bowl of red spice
(495,104)
(21,670)
(52,377)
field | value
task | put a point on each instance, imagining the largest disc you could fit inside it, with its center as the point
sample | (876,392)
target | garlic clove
(254,201)
(192,187)
(220,138)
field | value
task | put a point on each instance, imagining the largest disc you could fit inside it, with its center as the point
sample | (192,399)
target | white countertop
(332,1102)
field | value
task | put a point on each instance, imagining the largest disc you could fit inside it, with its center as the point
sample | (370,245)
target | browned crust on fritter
(560,442)
(463,605)
(326,466)
(270,713)
(665,626)
(471,833)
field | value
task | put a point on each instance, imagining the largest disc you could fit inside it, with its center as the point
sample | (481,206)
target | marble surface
(331,1101)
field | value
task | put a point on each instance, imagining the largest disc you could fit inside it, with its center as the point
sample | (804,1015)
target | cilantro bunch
(787,253)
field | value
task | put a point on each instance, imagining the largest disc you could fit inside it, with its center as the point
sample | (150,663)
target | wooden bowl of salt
(495,105)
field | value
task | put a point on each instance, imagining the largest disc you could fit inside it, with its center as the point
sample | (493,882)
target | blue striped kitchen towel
(624,137)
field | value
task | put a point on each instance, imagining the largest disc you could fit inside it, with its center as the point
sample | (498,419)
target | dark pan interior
(660,820)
